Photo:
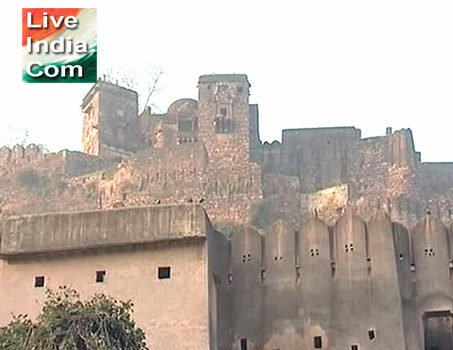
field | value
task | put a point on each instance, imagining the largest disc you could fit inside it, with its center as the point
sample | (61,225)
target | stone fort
(325,240)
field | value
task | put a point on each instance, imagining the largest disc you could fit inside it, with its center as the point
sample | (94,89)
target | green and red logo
(59,45)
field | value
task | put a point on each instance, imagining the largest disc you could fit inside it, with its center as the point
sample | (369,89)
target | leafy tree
(68,323)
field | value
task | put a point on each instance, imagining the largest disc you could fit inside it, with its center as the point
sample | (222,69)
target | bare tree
(14,136)
(145,81)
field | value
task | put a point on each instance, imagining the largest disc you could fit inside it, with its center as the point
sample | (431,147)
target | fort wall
(338,283)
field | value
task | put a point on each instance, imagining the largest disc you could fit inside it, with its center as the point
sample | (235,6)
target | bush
(41,185)
(67,323)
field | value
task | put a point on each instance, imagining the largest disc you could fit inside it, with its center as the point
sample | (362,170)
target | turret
(110,120)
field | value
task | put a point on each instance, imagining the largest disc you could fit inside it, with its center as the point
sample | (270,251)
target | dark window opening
(244,344)
(354,347)
(223,125)
(100,276)
(438,332)
(317,341)
(371,334)
(187,125)
(223,111)
(39,281)
(163,272)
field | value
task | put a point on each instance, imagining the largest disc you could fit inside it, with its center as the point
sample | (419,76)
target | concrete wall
(84,230)
(172,312)
(182,312)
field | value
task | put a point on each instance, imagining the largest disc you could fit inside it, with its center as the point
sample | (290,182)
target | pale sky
(368,64)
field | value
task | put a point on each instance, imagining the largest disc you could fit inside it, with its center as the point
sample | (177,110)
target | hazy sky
(368,64)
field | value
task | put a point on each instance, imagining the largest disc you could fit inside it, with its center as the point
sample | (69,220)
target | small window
(240,89)
(186,125)
(163,272)
(223,125)
(39,281)
(119,113)
(371,334)
(354,347)
(317,341)
(223,111)
(100,276)
(244,344)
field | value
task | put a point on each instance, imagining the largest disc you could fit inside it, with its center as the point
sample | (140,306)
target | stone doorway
(438,330)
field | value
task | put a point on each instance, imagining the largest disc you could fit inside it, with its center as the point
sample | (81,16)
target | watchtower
(110,120)
(224,122)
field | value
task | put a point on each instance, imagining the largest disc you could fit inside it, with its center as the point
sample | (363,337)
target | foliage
(41,185)
(67,323)
(262,214)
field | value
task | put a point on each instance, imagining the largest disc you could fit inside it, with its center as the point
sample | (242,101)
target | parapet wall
(83,230)
(72,163)
(19,155)
(319,157)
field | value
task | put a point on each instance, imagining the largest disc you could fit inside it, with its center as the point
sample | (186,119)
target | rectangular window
(371,334)
(100,276)
(185,126)
(317,341)
(163,272)
(354,347)
(39,281)
(223,125)
(243,344)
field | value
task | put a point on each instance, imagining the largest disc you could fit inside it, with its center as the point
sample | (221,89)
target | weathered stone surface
(85,230)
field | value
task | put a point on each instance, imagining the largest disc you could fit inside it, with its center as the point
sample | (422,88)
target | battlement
(31,234)
(65,162)
(20,154)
